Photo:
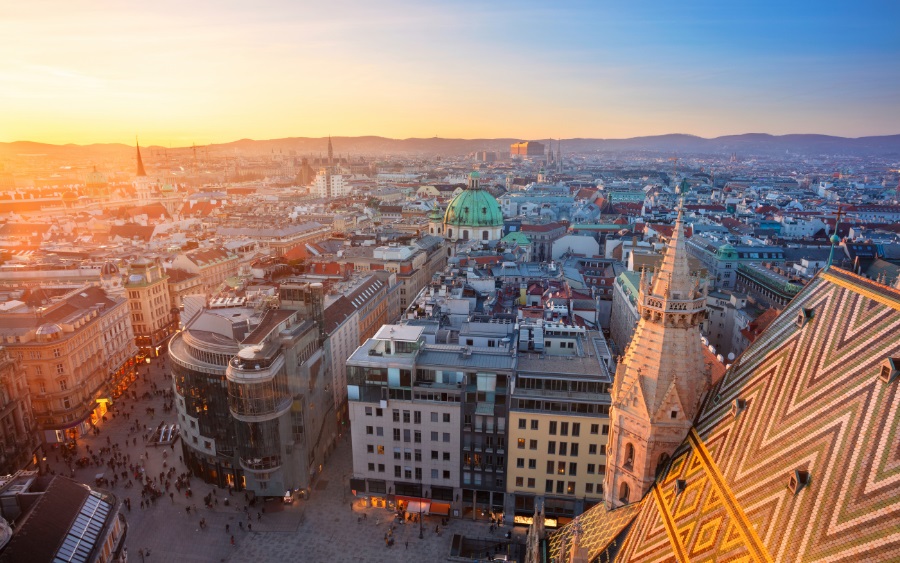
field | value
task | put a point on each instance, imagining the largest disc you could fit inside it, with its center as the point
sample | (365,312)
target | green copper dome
(473,208)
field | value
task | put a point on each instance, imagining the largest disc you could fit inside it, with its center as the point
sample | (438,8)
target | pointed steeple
(662,376)
(675,273)
(330,152)
(140,163)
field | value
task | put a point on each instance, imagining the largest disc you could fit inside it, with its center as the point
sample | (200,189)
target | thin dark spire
(140,163)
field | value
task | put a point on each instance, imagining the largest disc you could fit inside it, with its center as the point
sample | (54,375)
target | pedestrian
(227,528)
(258,516)
(232,541)
(407,544)
(249,527)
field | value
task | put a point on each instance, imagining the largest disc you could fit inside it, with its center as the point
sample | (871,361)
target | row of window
(562,487)
(565,448)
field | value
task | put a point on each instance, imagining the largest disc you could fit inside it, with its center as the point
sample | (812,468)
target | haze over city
(178,73)
(391,281)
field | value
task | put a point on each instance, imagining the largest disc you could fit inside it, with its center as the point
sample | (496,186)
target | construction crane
(674,161)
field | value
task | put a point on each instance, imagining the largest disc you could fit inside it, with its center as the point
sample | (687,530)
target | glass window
(522,423)
(534,424)
(576,429)
(521,443)
(551,448)
(551,467)
(564,428)
(563,448)
(520,481)
(532,444)
(532,464)
(561,467)
(574,449)
(531,482)
(591,468)
(553,427)
(446,436)
(520,462)
(446,417)
(573,468)
(434,417)
(548,486)
(592,449)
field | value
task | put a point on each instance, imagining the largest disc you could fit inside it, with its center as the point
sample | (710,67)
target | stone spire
(140,163)
(330,152)
(661,379)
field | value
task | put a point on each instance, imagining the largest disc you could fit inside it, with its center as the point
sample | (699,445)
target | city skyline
(210,74)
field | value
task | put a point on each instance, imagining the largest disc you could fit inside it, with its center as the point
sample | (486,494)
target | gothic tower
(330,153)
(661,378)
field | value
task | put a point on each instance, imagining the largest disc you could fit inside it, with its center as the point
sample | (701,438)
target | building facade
(152,318)
(78,354)
(18,433)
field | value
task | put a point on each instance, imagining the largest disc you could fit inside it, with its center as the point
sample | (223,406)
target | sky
(206,71)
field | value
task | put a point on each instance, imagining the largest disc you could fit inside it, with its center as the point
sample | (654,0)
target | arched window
(466,235)
(623,492)
(484,235)
(629,455)
(450,233)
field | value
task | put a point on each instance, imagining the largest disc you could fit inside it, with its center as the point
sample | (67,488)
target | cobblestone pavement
(320,529)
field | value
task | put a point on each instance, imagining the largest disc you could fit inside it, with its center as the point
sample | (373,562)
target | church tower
(661,378)
(143,184)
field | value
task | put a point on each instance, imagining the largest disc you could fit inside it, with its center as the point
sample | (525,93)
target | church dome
(474,207)
(109,269)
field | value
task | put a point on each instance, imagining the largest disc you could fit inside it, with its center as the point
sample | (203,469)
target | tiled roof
(794,454)
(599,530)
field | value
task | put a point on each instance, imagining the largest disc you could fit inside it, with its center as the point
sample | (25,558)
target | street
(322,528)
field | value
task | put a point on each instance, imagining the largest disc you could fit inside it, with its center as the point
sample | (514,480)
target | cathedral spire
(661,379)
(140,163)
(330,152)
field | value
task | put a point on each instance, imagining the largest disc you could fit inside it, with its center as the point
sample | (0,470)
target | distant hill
(744,145)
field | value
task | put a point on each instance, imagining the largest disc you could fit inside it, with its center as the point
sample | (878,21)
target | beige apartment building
(152,318)
(558,423)
(213,265)
(78,355)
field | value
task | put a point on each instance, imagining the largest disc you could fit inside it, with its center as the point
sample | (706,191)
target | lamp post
(421,497)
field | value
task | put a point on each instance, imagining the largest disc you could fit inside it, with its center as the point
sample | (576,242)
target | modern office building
(252,398)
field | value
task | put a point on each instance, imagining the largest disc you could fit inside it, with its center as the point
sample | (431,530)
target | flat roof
(405,333)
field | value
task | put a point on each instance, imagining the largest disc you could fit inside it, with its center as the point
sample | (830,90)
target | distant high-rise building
(527,149)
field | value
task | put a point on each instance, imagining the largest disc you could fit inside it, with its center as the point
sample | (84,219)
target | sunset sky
(215,71)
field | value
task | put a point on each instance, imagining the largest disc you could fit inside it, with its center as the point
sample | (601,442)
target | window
(434,454)
(561,467)
(379,412)
(446,436)
(532,464)
(370,449)
(563,448)
(57,353)
(534,424)
(446,474)
(381,468)
(417,437)
(379,431)
(564,429)
(531,482)
(522,423)
(406,417)
(418,473)
(60,369)
(573,468)
(574,449)
(592,449)
(551,467)
(606,429)
(551,448)
(570,488)
(417,455)
(521,443)
(396,434)
(446,417)
(603,449)
(520,462)
(397,471)
(434,417)
(396,415)
(62,385)
(548,486)
(417,417)
(368,411)
(560,487)
(590,468)
(380,450)
(623,493)
(576,429)
(371,467)
(434,437)
(38,370)
(553,427)
(520,481)
(407,435)
(446,456)
(370,430)
(397,453)
(532,444)
(434,473)
(66,403)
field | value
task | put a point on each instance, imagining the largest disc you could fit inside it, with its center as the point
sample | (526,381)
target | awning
(415,507)
(440,508)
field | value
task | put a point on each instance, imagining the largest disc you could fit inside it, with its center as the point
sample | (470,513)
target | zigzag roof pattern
(804,401)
